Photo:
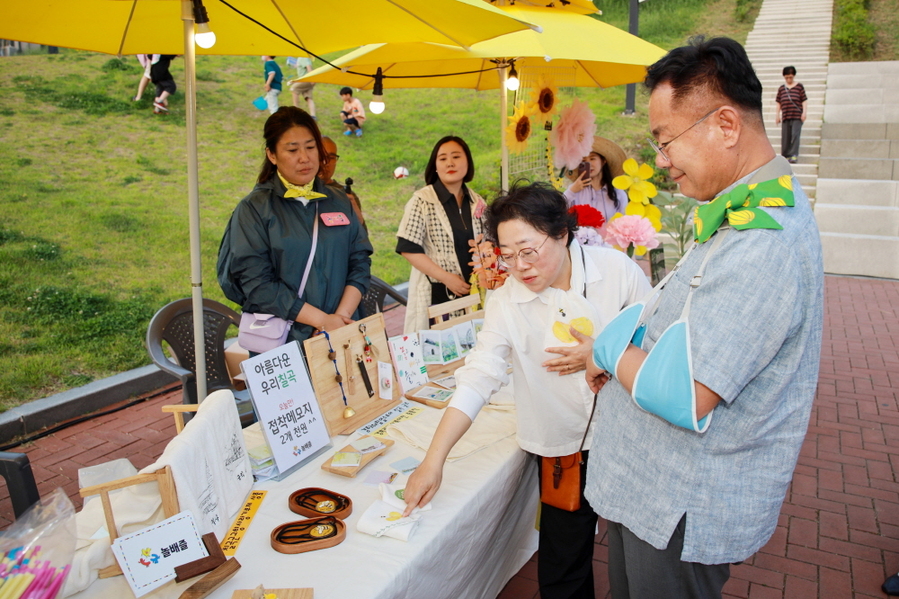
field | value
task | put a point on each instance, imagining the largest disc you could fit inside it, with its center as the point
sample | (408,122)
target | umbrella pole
(503,117)
(193,195)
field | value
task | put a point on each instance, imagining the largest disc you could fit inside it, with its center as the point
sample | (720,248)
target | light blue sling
(664,383)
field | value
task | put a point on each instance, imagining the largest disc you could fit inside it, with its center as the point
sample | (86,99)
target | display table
(479,533)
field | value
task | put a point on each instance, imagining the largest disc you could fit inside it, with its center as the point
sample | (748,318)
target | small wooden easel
(170,506)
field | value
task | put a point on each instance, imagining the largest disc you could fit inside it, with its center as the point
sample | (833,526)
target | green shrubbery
(744,9)
(853,34)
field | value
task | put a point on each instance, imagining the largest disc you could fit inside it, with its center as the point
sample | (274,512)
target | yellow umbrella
(603,56)
(600,54)
(154,26)
(167,27)
(581,7)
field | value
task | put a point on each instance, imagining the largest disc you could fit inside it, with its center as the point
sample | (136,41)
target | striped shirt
(790,100)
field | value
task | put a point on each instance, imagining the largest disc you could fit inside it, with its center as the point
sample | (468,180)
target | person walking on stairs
(792,106)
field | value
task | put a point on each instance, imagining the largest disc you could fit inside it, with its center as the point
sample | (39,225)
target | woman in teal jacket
(268,240)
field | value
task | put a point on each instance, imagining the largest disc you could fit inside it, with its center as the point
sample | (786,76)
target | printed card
(406,465)
(149,557)
(347,459)
(410,367)
(367,445)
(447,382)
(433,393)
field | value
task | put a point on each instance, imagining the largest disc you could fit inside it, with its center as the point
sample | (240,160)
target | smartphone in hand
(583,167)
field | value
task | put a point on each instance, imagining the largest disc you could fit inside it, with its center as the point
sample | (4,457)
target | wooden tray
(281,593)
(435,371)
(352,471)
(348,343)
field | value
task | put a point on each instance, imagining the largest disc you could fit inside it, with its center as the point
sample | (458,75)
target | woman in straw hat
(594,187)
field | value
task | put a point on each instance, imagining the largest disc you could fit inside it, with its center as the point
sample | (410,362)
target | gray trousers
(789,137)
(637,570)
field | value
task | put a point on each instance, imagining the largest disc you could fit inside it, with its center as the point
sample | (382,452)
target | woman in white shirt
(555,283)
(594,188)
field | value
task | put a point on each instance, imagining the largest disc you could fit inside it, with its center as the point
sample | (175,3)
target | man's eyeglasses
(527,255)
(660,148)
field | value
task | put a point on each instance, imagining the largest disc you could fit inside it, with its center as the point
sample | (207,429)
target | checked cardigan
(425,223)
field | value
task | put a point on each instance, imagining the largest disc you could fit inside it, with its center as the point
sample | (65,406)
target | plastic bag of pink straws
(36,551)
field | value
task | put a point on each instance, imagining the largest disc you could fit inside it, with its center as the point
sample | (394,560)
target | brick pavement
(838,532)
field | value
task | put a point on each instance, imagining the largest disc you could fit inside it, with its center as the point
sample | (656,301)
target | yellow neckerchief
(300,191)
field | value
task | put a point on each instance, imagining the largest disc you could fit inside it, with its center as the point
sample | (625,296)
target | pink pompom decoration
(573,136)
(632,229)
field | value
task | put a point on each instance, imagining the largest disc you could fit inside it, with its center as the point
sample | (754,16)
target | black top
(463,231)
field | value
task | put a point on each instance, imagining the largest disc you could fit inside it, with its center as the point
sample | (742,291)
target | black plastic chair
(16,469)
(174,324)
(375,300)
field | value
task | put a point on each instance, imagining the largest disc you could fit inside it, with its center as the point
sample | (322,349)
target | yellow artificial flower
(519,129)
(635,181)
(544,98)
(558,183)
(649,210)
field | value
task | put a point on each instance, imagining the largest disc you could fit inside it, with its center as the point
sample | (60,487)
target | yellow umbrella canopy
(581,7)
(602,55)
(154,26)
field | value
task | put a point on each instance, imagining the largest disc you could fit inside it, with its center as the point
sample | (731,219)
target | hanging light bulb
(377,99)
(205,37)
(512,81)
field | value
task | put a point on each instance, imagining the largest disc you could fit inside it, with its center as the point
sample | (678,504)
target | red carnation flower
(587,216)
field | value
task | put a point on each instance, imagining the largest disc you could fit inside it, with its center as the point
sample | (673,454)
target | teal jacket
(267,243)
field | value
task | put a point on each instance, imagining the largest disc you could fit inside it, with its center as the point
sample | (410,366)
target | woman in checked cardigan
(438,222)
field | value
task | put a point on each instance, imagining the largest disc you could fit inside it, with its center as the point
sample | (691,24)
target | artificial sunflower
(519,129)
(545,98)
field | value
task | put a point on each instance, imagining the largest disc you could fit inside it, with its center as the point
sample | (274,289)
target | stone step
(869,95)
(861,113)
(775,36)
(808,129)
(859,168)
(866,68)
(861,255)
(858,192)
(860,220)
(860,130)
(860,148)
(852,81)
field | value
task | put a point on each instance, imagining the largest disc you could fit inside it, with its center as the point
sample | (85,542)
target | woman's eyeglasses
(527,255)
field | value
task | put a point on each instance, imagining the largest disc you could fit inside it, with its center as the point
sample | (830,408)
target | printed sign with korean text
(285,403)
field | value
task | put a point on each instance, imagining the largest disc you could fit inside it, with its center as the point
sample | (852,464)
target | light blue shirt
(755,331)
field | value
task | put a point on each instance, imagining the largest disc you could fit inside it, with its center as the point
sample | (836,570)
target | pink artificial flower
(631,230)
(573,136)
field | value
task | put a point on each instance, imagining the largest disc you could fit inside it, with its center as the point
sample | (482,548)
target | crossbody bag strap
(311,254)
(593,409)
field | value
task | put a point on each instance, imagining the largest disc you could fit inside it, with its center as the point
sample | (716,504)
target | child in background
(164,82)
(352,114)
(273,77)
(302,88)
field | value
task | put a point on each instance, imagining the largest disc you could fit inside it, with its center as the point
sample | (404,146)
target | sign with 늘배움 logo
(286,406)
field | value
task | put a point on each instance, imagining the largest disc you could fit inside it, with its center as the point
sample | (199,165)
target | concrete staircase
(858,188)
(797,33)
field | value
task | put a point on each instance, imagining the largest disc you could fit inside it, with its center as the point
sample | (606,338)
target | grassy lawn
(94,238)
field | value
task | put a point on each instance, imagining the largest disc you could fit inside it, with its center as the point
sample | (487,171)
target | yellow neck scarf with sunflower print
(740,207)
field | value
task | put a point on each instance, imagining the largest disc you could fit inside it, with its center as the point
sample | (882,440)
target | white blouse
(518,325)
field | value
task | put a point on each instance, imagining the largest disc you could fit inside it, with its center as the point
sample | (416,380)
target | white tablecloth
(479,534)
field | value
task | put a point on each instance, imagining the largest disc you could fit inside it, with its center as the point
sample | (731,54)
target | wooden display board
(348,343)
(352,471)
